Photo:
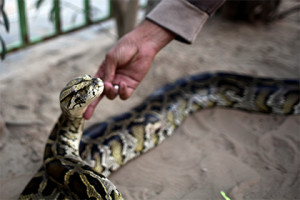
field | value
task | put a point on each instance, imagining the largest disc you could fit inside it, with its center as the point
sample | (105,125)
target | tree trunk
(125,13)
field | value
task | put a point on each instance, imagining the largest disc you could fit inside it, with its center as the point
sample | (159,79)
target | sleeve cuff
(179,17)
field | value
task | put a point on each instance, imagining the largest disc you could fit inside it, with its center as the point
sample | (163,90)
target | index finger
(107,69)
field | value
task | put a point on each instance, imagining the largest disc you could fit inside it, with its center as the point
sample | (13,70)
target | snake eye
(79,100)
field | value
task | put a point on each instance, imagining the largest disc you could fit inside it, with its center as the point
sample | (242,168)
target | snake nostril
(95,81)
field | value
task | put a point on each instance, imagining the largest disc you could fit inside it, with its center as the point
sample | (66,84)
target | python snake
(76,166)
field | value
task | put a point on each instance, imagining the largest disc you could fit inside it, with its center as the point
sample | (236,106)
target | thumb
(107,69)
(106,72)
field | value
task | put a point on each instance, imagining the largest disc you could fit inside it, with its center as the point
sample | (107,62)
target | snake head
(79,93)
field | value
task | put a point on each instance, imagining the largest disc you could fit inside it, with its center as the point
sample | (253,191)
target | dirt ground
(246,155)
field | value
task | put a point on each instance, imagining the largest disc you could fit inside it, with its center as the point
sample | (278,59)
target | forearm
(184,18)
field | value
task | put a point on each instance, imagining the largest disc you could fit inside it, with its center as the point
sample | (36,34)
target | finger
(100,72)
(110,91)
(91,108)
(107,69)
(124,91)
(127,79)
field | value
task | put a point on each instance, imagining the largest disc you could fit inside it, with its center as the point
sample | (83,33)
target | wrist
(153,35)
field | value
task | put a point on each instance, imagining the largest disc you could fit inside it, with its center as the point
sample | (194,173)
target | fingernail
(122,85)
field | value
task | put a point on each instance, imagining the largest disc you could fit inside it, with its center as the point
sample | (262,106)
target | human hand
(128,61)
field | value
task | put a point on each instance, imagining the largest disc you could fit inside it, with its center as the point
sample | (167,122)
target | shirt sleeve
(185,18)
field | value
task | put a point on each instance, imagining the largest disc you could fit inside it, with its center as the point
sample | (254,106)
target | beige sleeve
(179,17)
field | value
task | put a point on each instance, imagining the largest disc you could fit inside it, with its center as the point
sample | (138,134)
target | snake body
(78,171)
(64,175)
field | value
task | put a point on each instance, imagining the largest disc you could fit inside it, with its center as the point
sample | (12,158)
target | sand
(246,155)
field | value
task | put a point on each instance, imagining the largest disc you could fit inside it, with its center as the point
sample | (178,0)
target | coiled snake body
(76,167)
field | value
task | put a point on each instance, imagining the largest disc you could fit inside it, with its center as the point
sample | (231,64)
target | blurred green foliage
(3,21)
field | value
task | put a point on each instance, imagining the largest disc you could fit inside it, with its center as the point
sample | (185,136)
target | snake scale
(76,165)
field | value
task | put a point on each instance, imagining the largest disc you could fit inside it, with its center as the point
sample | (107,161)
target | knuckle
(110,56)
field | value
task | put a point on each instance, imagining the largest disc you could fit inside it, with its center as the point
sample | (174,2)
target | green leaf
(224,195)
(6,22)
(2,5)
(5,18)
(38,3)
(52,14)
(3,53)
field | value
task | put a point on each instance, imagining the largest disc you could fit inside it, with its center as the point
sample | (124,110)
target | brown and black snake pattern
(76,166)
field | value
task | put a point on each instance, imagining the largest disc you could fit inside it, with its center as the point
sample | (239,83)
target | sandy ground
(248,156)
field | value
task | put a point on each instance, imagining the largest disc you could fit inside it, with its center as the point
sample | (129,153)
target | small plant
(224,195)
(3,21)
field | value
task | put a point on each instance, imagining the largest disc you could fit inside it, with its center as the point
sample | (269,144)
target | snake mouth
(97,87)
